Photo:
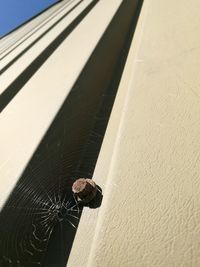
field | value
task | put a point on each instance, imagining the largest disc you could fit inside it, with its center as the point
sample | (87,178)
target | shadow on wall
(39,221)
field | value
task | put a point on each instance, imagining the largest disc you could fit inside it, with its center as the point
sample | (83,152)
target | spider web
(41,200)
(39,220)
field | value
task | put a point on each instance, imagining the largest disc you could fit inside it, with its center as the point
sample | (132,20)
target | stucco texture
(150,215)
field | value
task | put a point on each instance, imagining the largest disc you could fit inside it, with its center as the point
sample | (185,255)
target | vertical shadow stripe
(22,79)
(36,40)
(46,20)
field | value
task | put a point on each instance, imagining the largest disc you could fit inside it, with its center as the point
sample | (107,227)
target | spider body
(84,190)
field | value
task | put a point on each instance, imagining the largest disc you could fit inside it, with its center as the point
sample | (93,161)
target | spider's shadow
(97,200)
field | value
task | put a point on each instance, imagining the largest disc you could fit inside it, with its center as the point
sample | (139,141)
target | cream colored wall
(149,165)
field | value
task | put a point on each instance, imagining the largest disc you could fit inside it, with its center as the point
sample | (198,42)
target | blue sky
(15,12)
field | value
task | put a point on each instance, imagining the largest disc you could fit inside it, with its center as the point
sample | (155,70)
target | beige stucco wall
(149,165)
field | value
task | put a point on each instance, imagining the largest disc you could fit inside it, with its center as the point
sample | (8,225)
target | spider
(84,190)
